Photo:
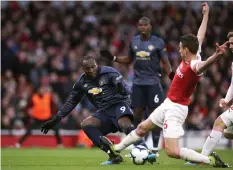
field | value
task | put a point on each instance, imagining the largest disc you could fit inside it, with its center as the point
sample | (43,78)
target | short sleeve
(130,51)
(194,65)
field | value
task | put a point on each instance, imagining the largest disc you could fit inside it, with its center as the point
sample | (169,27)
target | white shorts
(229,130)
(170,117)
(227,117)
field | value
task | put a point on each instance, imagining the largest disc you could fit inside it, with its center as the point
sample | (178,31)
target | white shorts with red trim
(170,117)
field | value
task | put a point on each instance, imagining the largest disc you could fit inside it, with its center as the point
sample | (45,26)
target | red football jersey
(184,83)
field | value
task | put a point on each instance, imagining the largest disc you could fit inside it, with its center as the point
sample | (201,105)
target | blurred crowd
(42,45)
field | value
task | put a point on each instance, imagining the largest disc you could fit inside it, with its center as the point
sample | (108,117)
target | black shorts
(150,96)
(109,117)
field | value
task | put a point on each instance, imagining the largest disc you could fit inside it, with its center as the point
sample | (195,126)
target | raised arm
(228,100)
(120,59)
(203,27)
(203,65)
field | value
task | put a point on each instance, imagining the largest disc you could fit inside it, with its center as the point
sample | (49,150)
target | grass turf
(88,159)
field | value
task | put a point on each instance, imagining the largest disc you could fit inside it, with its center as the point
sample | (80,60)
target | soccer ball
(139,154)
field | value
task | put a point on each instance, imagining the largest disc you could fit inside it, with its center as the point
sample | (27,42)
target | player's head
(41,90)
(89,66)
(188,45)
(230,39)
(144,26)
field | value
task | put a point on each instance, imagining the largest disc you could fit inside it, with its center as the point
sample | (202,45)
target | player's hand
(205,8)
(220,49)
(106,54)
(47,126)
(222,103)
(171,75)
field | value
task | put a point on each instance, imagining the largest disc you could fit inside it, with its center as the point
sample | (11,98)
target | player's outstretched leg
(89,125)
(214,137)
(126,126)
(172,149)
(131,138)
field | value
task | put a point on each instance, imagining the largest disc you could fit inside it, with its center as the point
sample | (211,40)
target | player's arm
(123,59)
(73,99)
(229,95)
(201,66)
(165,62)
(228,100)
(120,59)
(203,27)
(120,84)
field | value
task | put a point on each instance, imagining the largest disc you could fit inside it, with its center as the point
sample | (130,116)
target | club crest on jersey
(179,73)
(151,47)
(101,82)
(85,85)
(135,47)
(95,91)
(143,54)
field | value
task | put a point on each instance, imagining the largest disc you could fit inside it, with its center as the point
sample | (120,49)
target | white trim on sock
(131,138)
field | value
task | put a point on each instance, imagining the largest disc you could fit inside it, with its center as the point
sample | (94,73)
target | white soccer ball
(139,154)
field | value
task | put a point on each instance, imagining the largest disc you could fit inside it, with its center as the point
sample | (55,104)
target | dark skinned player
(108,92)
(146,51)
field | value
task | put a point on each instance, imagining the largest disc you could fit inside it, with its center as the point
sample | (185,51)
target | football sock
(94,133)
(191,155)
(211,142)
(130,129)
(155,139)
(24,137)
(131,138)
(58,137)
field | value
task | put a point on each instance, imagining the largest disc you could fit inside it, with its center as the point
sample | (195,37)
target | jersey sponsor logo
(95,91)
(151,47)
(143,55)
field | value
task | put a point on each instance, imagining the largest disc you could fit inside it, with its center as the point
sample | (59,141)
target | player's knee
(125,124)
(141,129)
(90,121)
(219,124)
(85,123)
(228,135)
(138,113)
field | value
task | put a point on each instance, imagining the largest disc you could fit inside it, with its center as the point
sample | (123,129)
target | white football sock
(211,142)
(131,138)
(191,155)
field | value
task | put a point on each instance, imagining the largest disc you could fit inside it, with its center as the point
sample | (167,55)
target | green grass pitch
(88,159)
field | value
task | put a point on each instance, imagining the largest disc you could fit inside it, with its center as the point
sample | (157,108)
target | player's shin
(131,138)
(211,142)
(94,133)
